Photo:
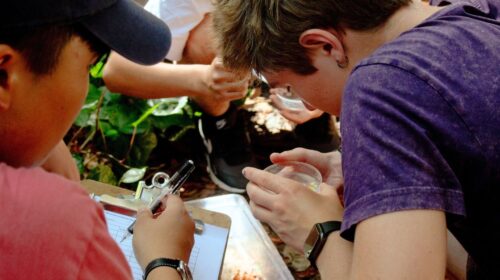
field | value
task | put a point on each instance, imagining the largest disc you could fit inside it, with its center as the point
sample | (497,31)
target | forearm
(398,245)
(157,81)
(335,259)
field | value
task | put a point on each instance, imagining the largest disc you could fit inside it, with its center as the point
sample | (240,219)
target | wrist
(325,256)
(202,83)
(176,254)
(335,260)
(164,272)
(164,268)
(317,238)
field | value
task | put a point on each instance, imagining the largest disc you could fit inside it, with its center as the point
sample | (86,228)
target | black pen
(174,185)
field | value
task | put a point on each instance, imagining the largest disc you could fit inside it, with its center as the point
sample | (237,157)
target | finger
(217,61)
(294,116)
(231,86)
(260,213)
(234,95)
(327,190)
(297,154)
(277,102)
(222,74)
(177,211)
(219,65)
(266,180)
(316,113)
(173,203)
(260,196)
(143,214)
(277,90)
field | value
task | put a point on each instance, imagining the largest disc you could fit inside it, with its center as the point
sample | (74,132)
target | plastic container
(249,249)
(301,172)
(290,100)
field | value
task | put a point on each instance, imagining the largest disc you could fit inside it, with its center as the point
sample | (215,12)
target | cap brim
(131,31)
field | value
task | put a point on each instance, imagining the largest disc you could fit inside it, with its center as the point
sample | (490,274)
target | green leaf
(133,175)
(143,146)
(118,146)
(83,119)
(96,70)
(86,116)
(108,130)
(104,174)
(110,97)
(123,114)
(181,133)
(168,106)
(93,94)
(145,115)
(79,162)
(166,122)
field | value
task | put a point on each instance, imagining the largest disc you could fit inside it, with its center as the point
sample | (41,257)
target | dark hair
(42,46)
(264,34)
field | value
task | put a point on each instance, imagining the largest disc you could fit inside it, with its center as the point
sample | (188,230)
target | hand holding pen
(170,234)
(174,185)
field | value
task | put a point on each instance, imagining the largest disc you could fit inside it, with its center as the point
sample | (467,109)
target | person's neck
(361,44)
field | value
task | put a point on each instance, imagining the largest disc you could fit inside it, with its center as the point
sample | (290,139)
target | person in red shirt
(50,228)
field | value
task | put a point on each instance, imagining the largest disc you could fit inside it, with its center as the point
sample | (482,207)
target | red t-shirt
(51,229)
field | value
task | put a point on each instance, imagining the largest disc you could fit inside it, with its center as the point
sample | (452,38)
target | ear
(323,41)
(6,54)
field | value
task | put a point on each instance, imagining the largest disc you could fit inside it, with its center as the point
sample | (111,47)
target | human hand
(328,164)
(169,234)
(288,207)
(224,85)
(60,161)
(296,116)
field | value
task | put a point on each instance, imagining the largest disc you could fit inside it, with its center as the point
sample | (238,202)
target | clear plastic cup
(301,172)
(290,100)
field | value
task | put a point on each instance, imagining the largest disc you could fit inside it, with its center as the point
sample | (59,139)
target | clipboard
(216,226)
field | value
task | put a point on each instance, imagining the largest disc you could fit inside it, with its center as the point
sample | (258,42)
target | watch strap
(175,264)
(330,226)
(324,229)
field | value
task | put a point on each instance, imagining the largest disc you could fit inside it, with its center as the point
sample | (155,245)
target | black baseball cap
(122,25)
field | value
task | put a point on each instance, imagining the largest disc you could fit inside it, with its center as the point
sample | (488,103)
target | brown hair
(264,34)
(42,46)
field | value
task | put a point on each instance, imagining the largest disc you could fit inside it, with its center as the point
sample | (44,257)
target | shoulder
(446,52)
(31,187)
(458,36)
(50,219)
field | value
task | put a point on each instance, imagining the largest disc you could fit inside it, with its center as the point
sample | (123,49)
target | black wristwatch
(317,239)
(178,265)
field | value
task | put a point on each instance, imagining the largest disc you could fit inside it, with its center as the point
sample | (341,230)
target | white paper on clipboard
(206,257)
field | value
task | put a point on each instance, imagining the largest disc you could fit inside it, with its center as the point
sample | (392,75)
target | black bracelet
(160,262)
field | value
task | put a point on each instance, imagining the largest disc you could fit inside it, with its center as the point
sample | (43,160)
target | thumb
(144,213)
(327,190)
(173,201)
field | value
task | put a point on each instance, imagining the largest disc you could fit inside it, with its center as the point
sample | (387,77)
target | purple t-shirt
(421,127)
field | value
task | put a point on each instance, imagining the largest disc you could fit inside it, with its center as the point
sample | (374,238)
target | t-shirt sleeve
(392,152)
(50,226)
(103,258)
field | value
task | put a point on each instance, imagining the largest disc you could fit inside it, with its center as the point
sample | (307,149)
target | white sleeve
(181,16)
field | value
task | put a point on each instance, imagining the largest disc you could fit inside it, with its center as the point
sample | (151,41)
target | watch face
(185,272)
(311,241)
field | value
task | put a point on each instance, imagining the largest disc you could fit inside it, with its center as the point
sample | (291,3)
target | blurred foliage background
(114,136)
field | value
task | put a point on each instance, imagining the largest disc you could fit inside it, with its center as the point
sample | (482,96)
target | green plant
(114,133)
